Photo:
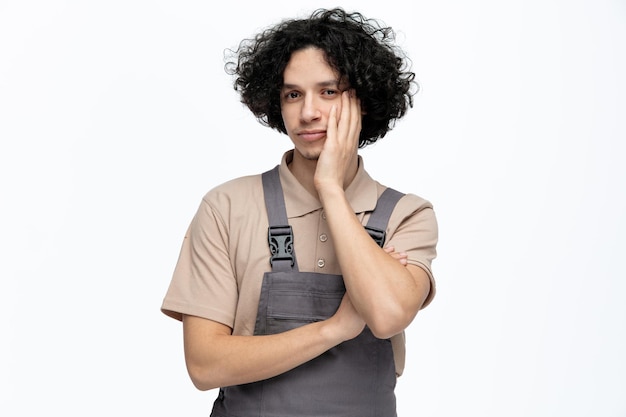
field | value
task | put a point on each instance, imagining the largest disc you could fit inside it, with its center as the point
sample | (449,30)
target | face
(311,87)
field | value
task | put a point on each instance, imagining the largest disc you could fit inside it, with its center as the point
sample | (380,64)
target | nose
(310,109)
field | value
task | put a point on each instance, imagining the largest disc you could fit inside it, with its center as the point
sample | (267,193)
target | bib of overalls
(353,379)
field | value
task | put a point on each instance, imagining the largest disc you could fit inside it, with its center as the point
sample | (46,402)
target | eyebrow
(329,83)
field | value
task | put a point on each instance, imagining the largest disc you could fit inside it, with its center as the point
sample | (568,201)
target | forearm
(385,293)
(215,358)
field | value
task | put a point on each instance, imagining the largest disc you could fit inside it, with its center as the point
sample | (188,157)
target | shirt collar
(362,192)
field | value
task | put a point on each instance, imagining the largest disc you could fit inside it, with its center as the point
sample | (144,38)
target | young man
(295,286)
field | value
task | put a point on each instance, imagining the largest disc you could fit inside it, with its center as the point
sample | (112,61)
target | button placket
(323,238)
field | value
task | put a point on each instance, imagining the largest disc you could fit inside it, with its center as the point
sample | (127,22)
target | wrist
(330,192)
(330,332)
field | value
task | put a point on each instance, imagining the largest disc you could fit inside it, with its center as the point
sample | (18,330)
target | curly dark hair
(361,50)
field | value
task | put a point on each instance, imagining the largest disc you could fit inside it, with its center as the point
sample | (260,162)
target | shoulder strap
(377,223)
(279,233)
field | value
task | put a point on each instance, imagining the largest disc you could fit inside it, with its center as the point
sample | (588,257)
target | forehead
(307,65)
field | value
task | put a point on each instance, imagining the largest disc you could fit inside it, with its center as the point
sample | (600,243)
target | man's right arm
(215,358)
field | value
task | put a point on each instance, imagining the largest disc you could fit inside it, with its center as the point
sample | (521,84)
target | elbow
(391,317)
(202,378)
(202,385)
(384,326)
(385,331)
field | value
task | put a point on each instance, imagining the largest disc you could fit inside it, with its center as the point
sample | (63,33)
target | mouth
(312,135)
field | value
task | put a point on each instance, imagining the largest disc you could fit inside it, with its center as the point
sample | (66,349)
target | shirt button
(321,263)
(323,237)
(324,215)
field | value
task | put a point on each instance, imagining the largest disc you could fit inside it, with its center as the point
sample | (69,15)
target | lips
(312,135)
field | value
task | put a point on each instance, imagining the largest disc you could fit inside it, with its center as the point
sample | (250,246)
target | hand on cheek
(349,123)
(336,162)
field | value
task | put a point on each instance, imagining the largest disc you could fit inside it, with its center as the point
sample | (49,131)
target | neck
(304,171)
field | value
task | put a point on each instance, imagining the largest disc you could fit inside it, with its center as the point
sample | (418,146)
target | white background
(116,117)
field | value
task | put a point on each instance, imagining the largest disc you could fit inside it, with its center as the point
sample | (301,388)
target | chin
(309,154)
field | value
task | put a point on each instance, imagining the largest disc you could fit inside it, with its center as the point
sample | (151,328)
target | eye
(330,92)
(291,95)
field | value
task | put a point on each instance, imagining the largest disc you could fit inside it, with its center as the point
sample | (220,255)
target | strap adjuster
(280,239)
(377,234)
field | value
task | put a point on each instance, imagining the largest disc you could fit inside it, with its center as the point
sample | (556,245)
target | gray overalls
(355,378)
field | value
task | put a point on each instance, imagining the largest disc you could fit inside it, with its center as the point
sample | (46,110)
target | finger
(343,127)
(331,129)
(401,257)
(398,256)
(355,119)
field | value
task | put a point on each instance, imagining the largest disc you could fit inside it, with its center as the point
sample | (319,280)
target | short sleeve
(203,283)
(413,229)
